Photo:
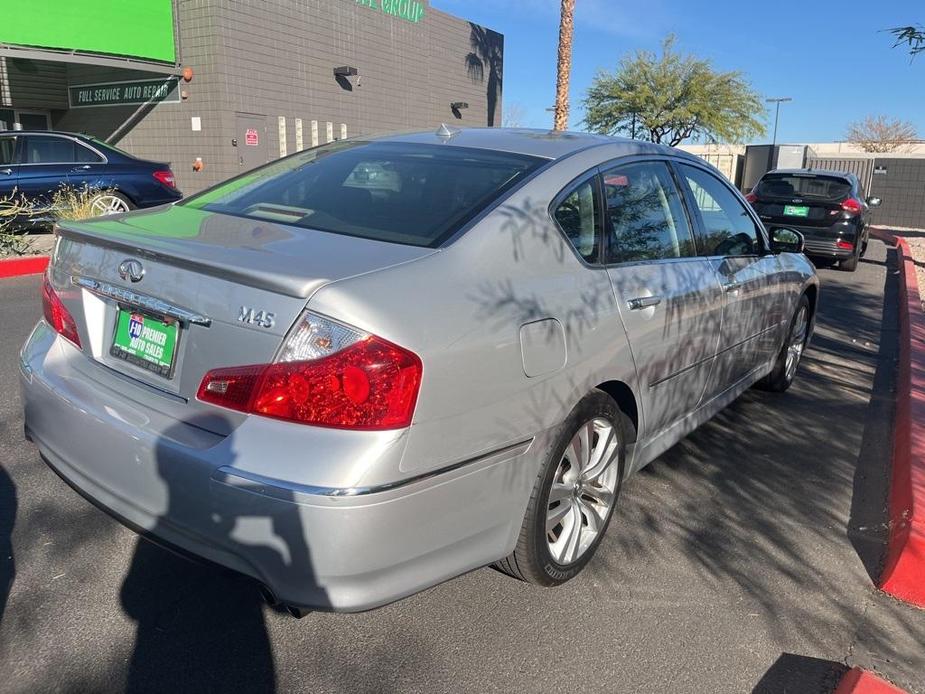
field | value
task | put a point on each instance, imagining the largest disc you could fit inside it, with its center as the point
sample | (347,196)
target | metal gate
(862,167)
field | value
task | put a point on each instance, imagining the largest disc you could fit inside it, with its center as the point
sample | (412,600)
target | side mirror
(785,240)
(874,202)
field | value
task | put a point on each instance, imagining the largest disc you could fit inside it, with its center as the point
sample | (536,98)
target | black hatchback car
(829,208)
(36,163)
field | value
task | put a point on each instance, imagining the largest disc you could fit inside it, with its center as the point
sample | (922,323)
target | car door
(87,169)
(669,297)
(734,243)
(9,169)
(46,161)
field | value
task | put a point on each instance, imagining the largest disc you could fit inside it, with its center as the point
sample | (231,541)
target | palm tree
(487,56)
(566,29)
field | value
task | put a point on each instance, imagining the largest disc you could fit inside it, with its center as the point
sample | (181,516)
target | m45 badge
(262,319)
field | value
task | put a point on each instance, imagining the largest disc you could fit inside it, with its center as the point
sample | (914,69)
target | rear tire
(788,359)
(849,264)
(574,495)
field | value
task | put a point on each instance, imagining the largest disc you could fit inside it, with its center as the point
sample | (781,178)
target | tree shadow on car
(200,627)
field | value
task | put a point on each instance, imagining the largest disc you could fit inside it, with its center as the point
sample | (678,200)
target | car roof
(810,172)
(547,144)
(45,132)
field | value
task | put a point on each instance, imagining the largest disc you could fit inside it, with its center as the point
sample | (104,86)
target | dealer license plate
(796,211)
(146,342)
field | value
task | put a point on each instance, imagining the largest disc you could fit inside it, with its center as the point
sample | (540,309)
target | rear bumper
(822,242)
(345,550)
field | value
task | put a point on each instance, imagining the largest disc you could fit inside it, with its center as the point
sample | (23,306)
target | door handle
(731,286)
(81,168)
(643,302)
(6,172)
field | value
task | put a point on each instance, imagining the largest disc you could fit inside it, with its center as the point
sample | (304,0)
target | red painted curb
(858,681)
(904,572)
(29,265)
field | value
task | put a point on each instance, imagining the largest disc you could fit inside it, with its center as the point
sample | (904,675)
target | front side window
(408,193)
(578,215)
(728,227)
(646,217)
(48,150)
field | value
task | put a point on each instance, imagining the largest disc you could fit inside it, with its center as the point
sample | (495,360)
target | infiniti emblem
(131,269)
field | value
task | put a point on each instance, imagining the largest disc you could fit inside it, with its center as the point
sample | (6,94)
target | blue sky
(832,57)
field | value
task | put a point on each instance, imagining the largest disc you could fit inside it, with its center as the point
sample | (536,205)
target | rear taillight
(852,206)
(166,177)
(751,197)
(57,315)
(844,245)
(327,374)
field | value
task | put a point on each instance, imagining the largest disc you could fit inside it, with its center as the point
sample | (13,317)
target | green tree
(671,97)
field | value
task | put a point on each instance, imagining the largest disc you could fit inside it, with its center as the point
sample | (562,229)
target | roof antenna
(445,132)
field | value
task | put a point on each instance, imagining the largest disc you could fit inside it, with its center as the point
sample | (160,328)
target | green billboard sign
(409,10)
(134,28)
(124,93)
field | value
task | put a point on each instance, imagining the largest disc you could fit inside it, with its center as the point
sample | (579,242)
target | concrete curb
(27,265)
(858,681)
(903,575)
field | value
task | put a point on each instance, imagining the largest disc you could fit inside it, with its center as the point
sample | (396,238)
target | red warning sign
(250,138)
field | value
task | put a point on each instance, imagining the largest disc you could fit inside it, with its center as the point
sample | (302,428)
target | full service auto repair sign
(124,93)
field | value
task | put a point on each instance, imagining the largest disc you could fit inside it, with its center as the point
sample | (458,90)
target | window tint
(803,186)
(7,149)
(578,215)
(408,193)
(86,155)
(727,224)
(646,215)
(49,150)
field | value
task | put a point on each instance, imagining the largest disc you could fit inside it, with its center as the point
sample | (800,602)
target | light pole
(777,101)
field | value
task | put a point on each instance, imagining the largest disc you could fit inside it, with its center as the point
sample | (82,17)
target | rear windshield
(803,186)
(406,193)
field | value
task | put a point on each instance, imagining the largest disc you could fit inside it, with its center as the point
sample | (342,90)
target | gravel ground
(916,241)
(40,243)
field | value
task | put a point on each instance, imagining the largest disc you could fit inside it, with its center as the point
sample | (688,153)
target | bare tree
(514,115)
(566,30)
(881,134)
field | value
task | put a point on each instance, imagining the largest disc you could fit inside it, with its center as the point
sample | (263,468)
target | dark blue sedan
(36,163)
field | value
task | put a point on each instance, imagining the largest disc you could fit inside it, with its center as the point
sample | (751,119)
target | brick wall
(902,188)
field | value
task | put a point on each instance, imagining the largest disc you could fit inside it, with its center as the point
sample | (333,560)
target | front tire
(788,359)
(574,495)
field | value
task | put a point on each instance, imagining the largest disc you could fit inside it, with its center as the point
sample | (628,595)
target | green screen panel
(136,28)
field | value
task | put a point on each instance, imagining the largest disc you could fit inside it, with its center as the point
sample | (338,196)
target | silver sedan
(375,365)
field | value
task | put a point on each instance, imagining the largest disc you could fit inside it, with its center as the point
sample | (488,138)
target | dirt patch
(31,243)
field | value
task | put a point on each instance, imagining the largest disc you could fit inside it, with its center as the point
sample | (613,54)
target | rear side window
(48,150)
(646,217)
(406,193)
(7,150)
(728,227)
(578,215)
(86,155)
(803,186)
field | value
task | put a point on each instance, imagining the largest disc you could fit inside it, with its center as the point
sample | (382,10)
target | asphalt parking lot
(740,561)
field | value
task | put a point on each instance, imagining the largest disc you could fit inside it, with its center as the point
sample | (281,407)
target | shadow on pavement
(7,521)
(799,674)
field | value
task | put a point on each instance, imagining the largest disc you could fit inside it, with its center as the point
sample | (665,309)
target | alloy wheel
(796,342)
(583,491)
(108,204)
